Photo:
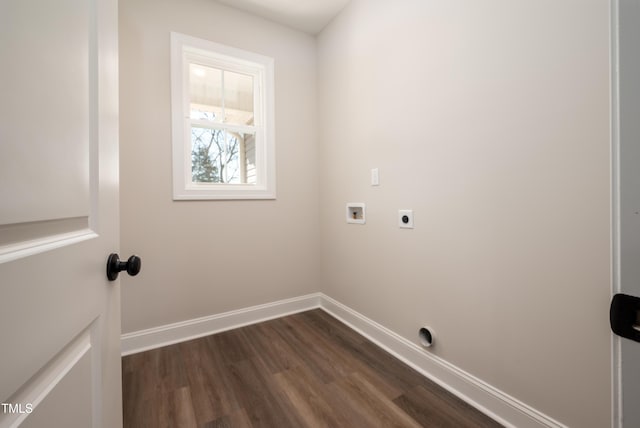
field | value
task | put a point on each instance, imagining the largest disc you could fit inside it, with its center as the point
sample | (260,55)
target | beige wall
(490,120)
(202,258)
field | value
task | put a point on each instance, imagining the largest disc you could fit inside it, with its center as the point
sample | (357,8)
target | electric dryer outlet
(405,219)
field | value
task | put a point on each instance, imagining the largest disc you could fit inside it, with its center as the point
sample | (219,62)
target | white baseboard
(143,340)
(502,407)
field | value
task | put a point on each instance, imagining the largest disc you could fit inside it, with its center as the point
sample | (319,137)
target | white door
(59,316)
(626,143)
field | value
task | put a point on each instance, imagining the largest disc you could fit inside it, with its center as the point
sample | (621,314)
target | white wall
(491,121)
(202,258)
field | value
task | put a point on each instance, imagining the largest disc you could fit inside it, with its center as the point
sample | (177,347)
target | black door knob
(624,315)
(115,266)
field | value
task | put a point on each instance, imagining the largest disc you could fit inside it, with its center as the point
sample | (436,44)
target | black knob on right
(115,266)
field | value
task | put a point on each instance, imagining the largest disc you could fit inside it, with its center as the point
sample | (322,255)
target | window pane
(219,156)
(205,92)
(238,98)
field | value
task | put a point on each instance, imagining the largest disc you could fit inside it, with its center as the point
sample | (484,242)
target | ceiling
(310,16)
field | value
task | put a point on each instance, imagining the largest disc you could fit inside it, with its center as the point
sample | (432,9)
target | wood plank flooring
(303,370)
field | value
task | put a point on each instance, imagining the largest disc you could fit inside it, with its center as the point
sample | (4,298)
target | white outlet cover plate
(401,215)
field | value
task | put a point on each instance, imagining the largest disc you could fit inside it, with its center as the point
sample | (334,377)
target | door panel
(53,393)
(61,403)
(49,42)
(60,316)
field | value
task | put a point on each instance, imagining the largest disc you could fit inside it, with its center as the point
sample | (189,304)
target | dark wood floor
(303,370)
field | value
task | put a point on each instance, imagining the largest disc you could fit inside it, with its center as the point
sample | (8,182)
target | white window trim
(215,54)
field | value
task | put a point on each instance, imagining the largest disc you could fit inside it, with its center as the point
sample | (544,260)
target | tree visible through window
(214,157)
(215,154)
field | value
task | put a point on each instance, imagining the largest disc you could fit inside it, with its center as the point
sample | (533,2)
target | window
(222,121)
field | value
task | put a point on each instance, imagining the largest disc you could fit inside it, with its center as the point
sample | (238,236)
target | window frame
(186,49)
